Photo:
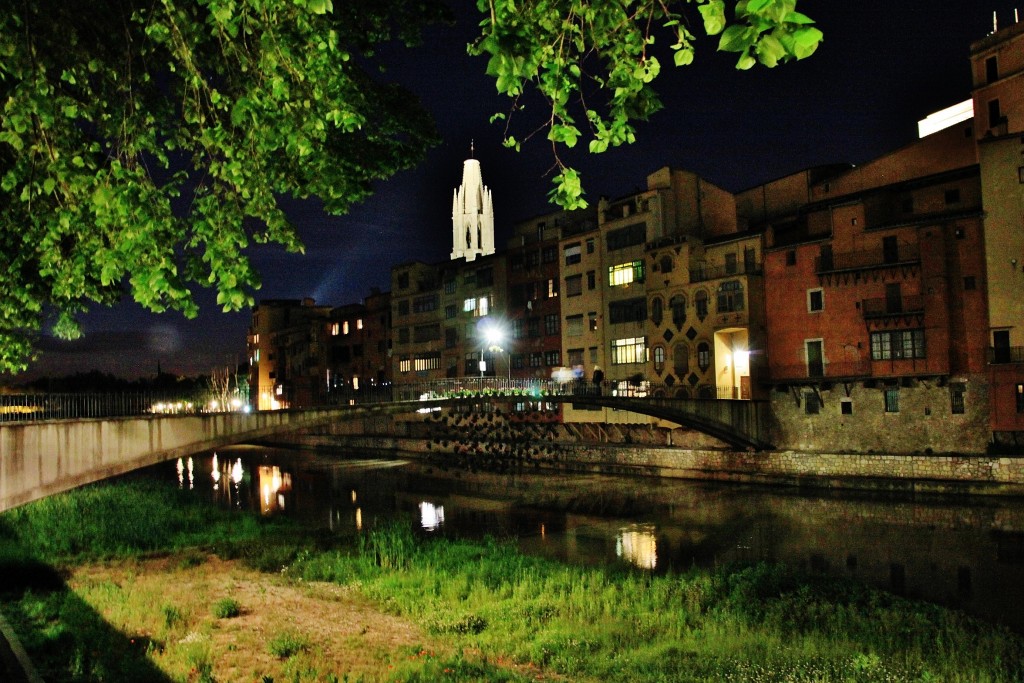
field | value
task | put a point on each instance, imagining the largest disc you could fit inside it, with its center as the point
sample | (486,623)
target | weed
(226,608)
(172,615)
(287,644)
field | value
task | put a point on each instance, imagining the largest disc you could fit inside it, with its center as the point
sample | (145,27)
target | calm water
(969,556)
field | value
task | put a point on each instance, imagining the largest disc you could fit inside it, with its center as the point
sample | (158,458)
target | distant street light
(493,337)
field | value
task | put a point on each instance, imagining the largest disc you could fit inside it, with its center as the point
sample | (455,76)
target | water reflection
(638,545)
(431,516)
(960,554)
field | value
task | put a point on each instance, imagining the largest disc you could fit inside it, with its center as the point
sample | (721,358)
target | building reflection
(431,516)
(638,545)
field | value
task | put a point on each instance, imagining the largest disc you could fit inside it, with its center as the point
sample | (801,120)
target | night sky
(883,66)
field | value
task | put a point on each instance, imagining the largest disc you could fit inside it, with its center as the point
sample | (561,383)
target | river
(967,554)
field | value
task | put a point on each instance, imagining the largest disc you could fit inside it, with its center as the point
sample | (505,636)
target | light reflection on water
(969,555)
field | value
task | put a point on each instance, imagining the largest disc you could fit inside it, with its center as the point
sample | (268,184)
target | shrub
(226,608)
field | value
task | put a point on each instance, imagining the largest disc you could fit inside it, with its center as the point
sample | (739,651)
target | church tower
(472,215)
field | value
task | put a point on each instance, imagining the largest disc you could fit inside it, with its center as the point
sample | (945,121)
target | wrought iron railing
(998,355)
(69,406)
(884,307)
(874,258)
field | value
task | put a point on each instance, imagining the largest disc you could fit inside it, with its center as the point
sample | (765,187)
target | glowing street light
(493,338)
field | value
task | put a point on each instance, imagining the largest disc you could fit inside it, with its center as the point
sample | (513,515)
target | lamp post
(493,337)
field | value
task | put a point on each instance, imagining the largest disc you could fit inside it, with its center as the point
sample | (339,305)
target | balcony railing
(875,258)
(884,307)
(999,355)
(830,370)
(705,273)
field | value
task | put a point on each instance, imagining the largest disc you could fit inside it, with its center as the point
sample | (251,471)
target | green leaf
(713,14)
(683,56)
(806,41)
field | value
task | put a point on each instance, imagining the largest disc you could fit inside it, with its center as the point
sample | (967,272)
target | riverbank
(131,582)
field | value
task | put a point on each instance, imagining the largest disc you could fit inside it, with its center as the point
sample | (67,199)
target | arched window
(659,358)
(681,360)
(700,303)
(682,392)
(656,310)
(666,264)
(703,356)
(678,306)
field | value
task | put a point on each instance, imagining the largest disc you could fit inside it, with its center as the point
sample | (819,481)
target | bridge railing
(78,406)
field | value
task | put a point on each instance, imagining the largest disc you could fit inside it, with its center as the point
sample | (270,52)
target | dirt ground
(172,604)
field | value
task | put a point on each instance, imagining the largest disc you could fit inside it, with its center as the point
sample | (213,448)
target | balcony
(886,307)
(833,370)
(901,255)
(1002,355)
(706,273)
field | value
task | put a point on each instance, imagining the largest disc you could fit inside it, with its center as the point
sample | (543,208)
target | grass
(520,617)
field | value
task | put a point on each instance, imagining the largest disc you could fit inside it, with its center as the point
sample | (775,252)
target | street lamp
(493,337)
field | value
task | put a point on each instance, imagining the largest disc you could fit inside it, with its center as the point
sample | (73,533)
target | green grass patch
(226,608)
(524,616)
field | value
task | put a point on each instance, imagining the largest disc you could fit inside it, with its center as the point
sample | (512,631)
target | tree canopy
(145,145)
(594,61)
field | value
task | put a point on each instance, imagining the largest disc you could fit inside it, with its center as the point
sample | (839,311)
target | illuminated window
(359,323)
(427,362)
(257,355)
(335,328)
(404,365)
(625,273)
(659,358)
(629,350)
(355,382)
(344,327)
(703,356)
(552,288)
(478,306)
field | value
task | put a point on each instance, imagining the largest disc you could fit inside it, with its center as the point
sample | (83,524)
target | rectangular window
(627,237)
(450,311)
(1019,390)
(730,297)
(845,406)
(471,363)
(533,327)
(815,300)
(791,258)
(574,285)
(451,337)
(625,273)
(991,69)
(629,350)
(730,264)
(591,279)
(994,115)
(628,311)
(403,335)
(574,326)
(430,361)
(590,245)
(404,365)
(812,404)
(478,306)
(518,361)
(549,254)
(553,288)
(572,254)
(449,286)
(575,357)
(536,359)
(335,329)
(552,358)
(592,321)
(956,397)
(517,328)
(403,307)
(552,324)
(425,333)
(897,344)
(892,400)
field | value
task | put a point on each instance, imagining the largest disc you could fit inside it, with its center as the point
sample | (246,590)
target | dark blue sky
(883,66)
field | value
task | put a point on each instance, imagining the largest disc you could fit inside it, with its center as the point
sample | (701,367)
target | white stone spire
(472,215)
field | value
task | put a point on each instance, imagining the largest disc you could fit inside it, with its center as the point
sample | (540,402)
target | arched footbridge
(45,456)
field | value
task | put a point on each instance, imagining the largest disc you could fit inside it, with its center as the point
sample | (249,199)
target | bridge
(60,451)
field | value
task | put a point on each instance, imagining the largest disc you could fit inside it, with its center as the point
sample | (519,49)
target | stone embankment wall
(496,441)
